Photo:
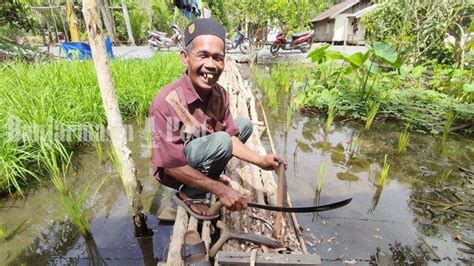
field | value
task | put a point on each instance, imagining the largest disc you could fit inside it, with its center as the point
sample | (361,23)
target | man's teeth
(208,75)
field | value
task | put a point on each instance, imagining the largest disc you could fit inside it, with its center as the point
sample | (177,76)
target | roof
(359,13)
(334,10)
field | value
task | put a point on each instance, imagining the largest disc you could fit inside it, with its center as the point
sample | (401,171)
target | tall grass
(403,141)
(65,94)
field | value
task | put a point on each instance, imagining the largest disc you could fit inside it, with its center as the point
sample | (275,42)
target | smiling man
(194,133)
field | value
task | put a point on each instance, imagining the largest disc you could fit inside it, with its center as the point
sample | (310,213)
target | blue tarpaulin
(80,50)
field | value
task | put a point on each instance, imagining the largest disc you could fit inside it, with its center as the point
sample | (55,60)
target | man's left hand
(271,162)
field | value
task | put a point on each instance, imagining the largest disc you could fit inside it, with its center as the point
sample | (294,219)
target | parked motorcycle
(239,41)
(158,39)
(300,41)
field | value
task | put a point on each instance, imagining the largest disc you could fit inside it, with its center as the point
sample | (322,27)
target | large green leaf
(318,54)
(469,88)
(385,52)
(358,59)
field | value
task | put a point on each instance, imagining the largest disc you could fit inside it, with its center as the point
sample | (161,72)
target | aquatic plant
(114,159)
(383,173)
(74,205)
(331,113)
(321,178)
(403,141)
(369,118)
(450,117)
(444,176)
(61,96)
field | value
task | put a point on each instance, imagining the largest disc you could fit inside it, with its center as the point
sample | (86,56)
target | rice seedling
(114,159)
(65,94)
(332,112)
(369,118)
(74,205)
(384,173)
(321,178)
(403,141)
(444,176)
(3,232)
(450,117)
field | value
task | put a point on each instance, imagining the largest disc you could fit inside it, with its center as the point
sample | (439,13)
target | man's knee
(245,126)
(222,144)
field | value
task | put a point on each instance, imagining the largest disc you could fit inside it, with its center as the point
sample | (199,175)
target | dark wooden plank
(267,259)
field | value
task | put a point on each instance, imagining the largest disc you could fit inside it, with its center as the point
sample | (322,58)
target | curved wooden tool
(227,234)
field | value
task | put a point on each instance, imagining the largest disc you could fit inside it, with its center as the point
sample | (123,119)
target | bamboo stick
(296,225)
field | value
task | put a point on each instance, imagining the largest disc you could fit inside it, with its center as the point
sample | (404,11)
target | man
(194,134)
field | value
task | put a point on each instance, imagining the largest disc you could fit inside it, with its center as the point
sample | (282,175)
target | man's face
(205,61)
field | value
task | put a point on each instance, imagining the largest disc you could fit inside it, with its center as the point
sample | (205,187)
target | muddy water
(413,218)
(404,219)
(38,234)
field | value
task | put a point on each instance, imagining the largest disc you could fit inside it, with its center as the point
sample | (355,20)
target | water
(39,233)
(402,218)
(392,219)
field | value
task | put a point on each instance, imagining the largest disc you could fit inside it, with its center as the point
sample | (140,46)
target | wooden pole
(64,25)
(54,21)
(107,20)
(111,20)
(114,120)
(128,25)
(72,21)
(294,220)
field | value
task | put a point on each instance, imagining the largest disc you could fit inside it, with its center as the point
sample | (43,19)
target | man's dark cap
(203,26)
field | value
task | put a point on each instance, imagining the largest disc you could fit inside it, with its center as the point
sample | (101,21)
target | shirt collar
(190,93)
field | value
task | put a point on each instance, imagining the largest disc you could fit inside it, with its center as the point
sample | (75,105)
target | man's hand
(271,162)
(232,199)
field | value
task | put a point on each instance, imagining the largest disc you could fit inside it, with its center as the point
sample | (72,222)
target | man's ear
(184,58)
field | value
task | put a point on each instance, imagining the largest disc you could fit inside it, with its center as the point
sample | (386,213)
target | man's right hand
(232,199)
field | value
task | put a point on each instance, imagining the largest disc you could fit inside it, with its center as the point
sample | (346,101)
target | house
(341,23)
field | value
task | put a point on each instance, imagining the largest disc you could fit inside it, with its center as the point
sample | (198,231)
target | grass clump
(332,111)
(450,117)
(42,101)
(369,118)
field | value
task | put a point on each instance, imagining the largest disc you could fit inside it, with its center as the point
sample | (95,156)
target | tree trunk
(127,23)
(72,21)
(114,120)
(107,20)
(110,17)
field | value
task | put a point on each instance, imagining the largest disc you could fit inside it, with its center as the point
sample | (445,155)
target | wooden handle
(215,208)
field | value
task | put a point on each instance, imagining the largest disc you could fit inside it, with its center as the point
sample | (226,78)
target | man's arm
(267,162)
(231,198)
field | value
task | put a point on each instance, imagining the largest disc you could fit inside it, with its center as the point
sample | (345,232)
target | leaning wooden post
(72,21)
(126,17)
(114,120)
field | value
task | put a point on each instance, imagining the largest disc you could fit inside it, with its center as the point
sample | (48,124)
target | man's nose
(210,64)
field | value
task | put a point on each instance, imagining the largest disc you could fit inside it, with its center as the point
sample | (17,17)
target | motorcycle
(300,41)
(239,41)
(158,39)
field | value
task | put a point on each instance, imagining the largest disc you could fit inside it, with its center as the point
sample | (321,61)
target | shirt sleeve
(231,128)
(167,144)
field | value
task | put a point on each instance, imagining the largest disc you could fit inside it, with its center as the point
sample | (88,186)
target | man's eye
(202,55)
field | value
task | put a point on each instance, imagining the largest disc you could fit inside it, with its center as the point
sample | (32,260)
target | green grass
(321,178)
(65,94)
(403,141)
